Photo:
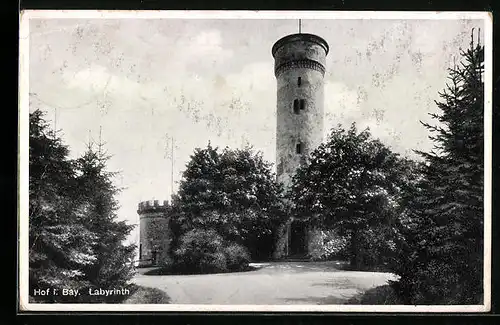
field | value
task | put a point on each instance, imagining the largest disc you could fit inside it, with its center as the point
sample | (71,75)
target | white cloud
(341,105)
(205,47)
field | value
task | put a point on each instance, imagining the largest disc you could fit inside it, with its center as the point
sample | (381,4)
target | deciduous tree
(351,183)
(234,192)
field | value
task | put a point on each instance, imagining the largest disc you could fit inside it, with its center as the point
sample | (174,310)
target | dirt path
(273,284)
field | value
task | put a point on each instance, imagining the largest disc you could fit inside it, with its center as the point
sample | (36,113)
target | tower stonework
(154,238)
(299,68)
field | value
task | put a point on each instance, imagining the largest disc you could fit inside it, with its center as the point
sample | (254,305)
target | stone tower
(299,67)
(153,232)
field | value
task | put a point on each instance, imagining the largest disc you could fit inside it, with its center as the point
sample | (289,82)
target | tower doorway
(297,239)
(154,257)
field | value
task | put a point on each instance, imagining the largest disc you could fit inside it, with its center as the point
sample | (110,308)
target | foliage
(205,251)
(237,256)
(233,191)
(378,247)
(74,240)
(351,184)
(114,260)
(60,243)
(442,261)
(147,295)
(326,244)
(381,295)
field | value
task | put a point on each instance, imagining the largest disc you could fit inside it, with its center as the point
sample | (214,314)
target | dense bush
(205,251)
(377,247)
(237,257)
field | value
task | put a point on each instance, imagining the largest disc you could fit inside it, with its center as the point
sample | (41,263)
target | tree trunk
(355,253)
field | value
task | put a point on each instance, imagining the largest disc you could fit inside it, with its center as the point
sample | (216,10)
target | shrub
(205,251)
(237,257)
(377,247)
(327,244)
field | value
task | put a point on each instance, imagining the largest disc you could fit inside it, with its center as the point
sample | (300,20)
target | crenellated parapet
(298,64)
(150,206)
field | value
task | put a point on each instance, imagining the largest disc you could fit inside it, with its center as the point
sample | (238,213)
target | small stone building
(154,232)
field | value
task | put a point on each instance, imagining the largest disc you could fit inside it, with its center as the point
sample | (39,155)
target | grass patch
(381,295)
(346,266)
(147,295)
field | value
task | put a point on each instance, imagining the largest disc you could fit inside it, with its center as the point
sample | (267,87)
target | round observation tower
(299,67)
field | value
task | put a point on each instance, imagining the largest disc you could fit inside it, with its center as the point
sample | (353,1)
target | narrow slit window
(299,81)
(299,148)
(296,106)
(302,104)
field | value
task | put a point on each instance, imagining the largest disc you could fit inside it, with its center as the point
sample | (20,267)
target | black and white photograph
(255,161)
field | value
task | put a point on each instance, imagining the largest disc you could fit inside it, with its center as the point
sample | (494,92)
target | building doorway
(297,239)
(154,255)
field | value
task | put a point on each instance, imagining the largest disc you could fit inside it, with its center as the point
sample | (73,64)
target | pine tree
(113,266)
(444,262)
(75,240)
(60,242)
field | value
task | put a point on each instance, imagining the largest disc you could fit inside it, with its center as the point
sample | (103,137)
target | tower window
(296,106)
(299,147)
(299,81)
(302,104)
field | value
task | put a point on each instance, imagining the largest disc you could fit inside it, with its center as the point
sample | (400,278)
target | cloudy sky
(146,81)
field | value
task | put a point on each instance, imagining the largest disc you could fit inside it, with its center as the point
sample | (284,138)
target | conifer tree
(113,267)
(74,237)
(443,262)
(60,244)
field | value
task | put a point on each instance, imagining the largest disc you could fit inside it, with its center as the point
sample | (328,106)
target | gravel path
(279,283)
